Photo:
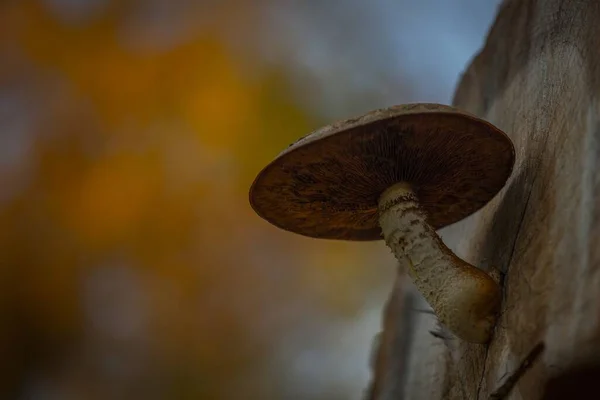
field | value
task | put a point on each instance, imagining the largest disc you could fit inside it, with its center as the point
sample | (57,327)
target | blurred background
(131,265)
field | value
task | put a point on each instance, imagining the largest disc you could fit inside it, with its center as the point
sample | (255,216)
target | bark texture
(538,79)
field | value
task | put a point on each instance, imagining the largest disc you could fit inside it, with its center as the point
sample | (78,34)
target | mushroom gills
(465,299)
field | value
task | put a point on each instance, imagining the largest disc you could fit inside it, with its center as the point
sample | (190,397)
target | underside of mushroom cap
(327,184)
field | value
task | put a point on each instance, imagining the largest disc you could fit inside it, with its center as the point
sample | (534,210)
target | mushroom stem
(465,299)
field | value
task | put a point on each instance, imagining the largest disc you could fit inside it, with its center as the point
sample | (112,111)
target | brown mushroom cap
(327,184)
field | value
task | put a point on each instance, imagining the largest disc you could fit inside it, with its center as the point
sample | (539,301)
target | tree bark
(538,79)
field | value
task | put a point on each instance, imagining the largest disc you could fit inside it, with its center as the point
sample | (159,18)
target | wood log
(538,79)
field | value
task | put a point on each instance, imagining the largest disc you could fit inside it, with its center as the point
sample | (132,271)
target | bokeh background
(131,265)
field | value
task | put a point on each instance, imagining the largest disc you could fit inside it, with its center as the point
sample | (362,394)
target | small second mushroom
(399,174)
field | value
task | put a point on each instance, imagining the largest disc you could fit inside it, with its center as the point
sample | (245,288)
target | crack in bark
(510,259)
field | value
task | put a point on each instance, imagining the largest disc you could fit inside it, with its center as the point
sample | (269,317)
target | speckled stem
(465,299)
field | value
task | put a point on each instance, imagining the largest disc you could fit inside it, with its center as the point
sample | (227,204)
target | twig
(419,310)
(504,390)
(440,335)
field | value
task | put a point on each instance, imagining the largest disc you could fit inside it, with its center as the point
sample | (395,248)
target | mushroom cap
(328,183)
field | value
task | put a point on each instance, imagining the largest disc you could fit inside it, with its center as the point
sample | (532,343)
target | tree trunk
(538,79)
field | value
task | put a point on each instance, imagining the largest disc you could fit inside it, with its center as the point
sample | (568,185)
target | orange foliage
(145,156)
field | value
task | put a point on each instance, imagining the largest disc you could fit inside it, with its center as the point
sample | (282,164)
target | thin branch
(504,390)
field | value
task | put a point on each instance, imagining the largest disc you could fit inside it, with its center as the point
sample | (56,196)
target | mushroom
(398,173)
